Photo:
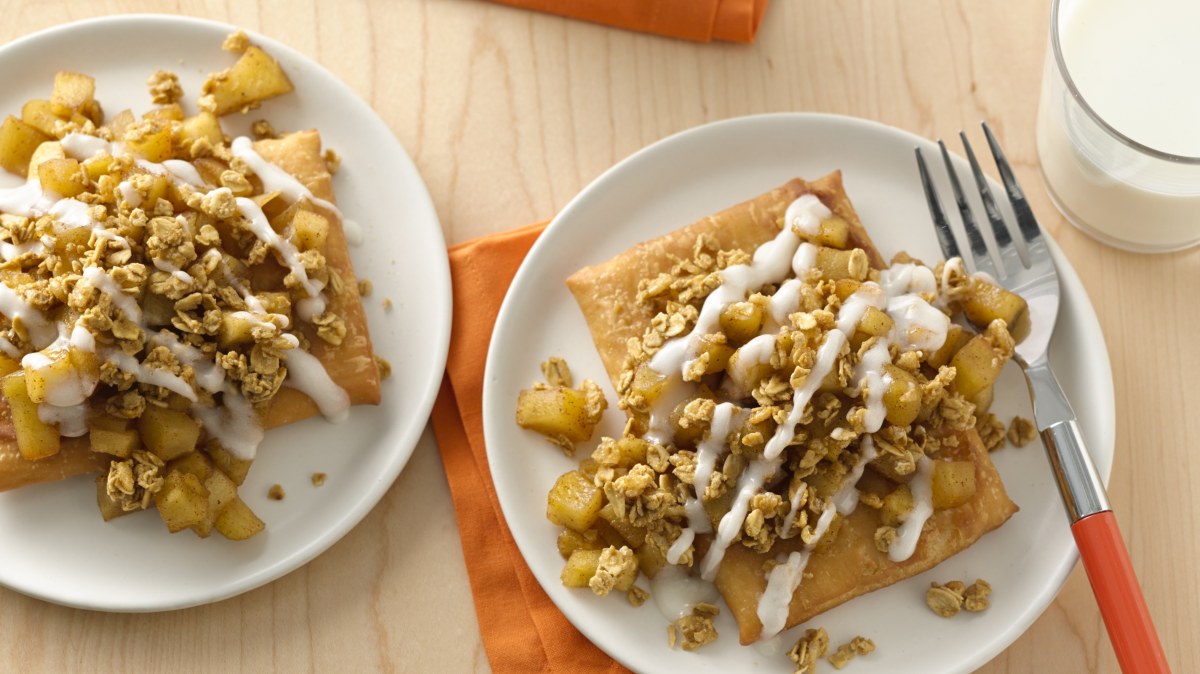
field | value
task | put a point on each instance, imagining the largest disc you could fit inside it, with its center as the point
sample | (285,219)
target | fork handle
(1115,586)
(1102,550)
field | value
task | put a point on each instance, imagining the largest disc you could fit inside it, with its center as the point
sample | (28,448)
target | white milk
(1135,64)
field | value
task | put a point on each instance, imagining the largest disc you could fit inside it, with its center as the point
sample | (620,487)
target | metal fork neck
(1078,482)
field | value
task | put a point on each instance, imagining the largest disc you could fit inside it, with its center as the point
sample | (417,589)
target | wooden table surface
(507,114)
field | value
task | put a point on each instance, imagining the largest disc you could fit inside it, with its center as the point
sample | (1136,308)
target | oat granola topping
(132,483)
(617,566)
(847,652)
(991,431)
(1021,432)
(697,629)
(318,479)
(276,492)
(164,87)
(808,650)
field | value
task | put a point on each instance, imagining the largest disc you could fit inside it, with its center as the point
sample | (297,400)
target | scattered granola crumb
(365,287)
(385,367)
(276,493)
(1021,432)
(333,161)
(263,129)
(557,372)
(698,629)
(808,649)
(637,596)
(236,42)
(387,304)
(945,600)
(991,431)
(975,598)
(318,479)
(164,87)
(847,652)
(672,636)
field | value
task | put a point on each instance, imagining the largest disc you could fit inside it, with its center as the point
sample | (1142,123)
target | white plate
(55,545)
(688,176)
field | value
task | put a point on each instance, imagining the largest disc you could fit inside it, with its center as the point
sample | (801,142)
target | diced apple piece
(570,540)
(254,78)
(977,364)
(237,521)
(72,91)
(310,230)
(196,463)
(574,501)
(953,483)
(204,125)
(896,506)
(902,399)
(40,114)
(18,142)
(168,433)
(741,322)
(182,501)
(227,463)
(63,177)
(151,139)
(554,412)
(109,509)
(235,329)
(117,443)
(580,567)
(631,535)
(35,438)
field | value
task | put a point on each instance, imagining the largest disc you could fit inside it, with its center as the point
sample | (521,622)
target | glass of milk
(1118,131)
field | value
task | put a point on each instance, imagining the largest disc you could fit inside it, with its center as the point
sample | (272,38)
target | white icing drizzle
(785,302)
(184,171)
(805,214)
(874,381)
(275,179)
(782,583)
(234,424)
(804,259)
(209,375)
(681,545)
(352,231)
(917,324)
(129,193)
(750,356)
(146,374)
(82,146)
(826,357)
(751,481)
(676,593)
(909,531)
(290,255)
(714,445)
(307,375)
(72,213)
(846,497)
(41,331)
(71,420)
(793,508)
(11,251)
(106,284)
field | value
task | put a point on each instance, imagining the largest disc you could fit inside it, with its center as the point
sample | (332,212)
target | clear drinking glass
(1113,187)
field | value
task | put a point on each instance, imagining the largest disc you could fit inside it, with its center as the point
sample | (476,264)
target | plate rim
(418,407)
(1068,277)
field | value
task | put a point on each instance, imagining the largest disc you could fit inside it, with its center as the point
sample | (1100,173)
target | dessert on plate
(801,414)
(168,293)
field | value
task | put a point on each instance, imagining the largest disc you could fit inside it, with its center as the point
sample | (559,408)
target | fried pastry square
(850,564)
(351,364)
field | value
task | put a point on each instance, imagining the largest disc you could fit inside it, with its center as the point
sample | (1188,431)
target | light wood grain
(507,115)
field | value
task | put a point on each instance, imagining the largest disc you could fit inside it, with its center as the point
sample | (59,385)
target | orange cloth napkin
(700,20)
(523,631)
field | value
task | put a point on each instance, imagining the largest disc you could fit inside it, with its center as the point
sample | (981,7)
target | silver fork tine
(941,224)
(1010,257)
(979,248)
(1035,244)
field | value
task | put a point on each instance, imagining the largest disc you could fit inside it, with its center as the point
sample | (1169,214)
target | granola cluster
(814,645)
(947,600)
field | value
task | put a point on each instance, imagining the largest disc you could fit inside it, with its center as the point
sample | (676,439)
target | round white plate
(677,181)
(55,545)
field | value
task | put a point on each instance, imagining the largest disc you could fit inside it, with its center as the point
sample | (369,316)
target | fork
(1031,274)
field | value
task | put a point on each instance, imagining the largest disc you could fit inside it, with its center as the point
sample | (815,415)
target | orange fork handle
(1117,592)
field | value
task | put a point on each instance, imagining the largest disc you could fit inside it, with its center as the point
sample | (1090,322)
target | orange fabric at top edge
(700,20)
(522,629)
